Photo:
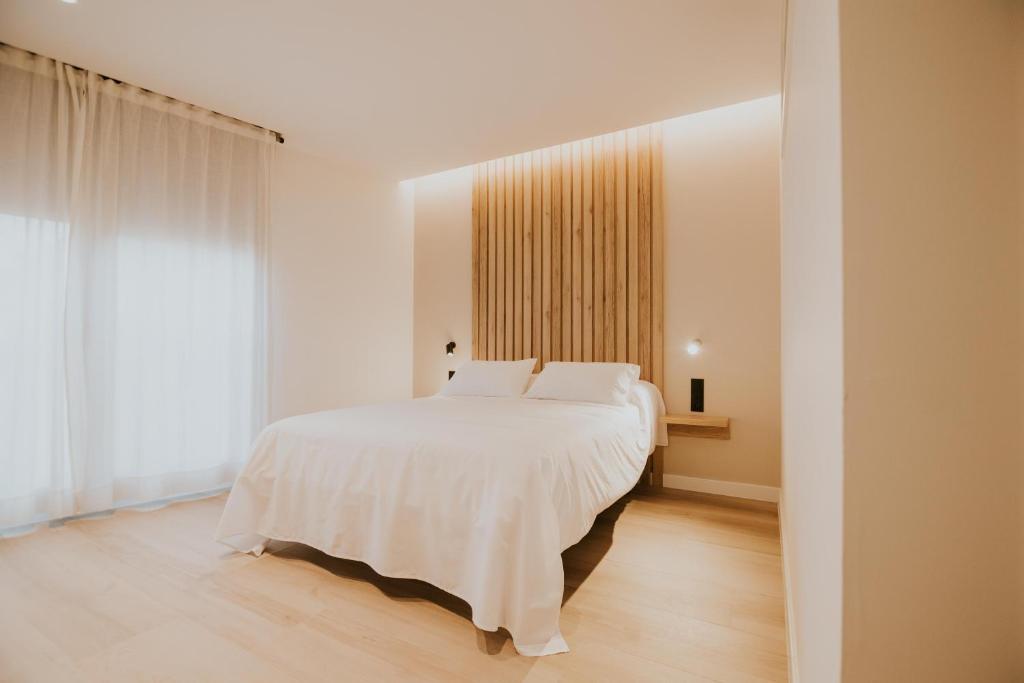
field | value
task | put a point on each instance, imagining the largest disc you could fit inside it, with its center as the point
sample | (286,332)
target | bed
(477,496)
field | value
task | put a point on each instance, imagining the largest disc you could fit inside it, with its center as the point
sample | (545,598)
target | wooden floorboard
(664,588)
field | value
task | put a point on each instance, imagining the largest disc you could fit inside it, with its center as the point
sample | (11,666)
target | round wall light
(693,346)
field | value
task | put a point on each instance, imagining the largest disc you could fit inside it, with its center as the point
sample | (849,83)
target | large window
(132,259)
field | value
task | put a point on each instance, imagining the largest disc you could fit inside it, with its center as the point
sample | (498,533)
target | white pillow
(490,378)
(589,382)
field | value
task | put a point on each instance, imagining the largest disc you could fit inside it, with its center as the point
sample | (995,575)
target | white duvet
(477,496)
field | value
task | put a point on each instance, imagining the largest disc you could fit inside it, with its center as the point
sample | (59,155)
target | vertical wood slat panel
(535,178)
(546,256)
(509,256)
(500,252)
(644,249)
(567,249)
(556,253)
(620,247)
(597,216)
(577,252)
(567,330)
(587,182)
(492,253)
(657,261)
(632,250)
(610,308)
(517,260)
(480,290)
(527,209)
(476,262)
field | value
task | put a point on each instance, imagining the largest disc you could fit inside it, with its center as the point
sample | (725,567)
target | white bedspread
(477,496)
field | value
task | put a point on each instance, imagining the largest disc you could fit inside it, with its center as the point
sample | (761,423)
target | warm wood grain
(518,267)
(698,424)
(527,312)
(556,254)
(567,253)
(492,256)
(657,261)
(546,257)
(587,256)
(510,273)
(644,249)
(476,222)
(667,587)
(632,249)
(499,297)
(535,222)
(480,305)
(577,251)
(611,304)
(695,420)
(621,261)
(577,245)
(597,212)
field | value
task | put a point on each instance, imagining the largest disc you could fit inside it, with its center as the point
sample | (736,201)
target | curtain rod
(277,136)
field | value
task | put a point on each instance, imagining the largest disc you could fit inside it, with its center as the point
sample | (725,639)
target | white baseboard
(735,489)
(787,587)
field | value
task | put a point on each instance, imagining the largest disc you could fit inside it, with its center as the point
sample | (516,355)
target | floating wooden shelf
(698,424)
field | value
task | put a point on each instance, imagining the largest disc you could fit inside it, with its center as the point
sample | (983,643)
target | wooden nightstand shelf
(698,424)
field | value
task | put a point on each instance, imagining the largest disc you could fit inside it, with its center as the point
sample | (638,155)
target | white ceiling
(408,87)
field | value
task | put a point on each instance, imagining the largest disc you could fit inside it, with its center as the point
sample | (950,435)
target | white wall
(340,288)
(722,283)
(812,341)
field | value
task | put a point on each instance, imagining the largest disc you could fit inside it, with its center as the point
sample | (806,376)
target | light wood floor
(665,588)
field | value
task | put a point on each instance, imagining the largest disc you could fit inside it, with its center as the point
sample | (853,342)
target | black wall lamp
(450,348)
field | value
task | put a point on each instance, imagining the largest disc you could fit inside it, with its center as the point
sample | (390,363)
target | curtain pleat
(132,292)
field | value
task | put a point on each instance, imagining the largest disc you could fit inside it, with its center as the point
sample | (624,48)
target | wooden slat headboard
(567,253)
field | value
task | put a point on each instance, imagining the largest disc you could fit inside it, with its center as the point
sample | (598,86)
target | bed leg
(657,464)
(652,478)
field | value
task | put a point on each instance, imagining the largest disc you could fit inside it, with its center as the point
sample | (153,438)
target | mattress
(477,496)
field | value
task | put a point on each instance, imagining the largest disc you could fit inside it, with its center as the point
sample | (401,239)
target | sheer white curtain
(132,278)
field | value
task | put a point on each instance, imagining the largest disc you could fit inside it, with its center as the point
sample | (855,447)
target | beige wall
(341,287)
(721,264)
(722,286)
(932,315)
(812,342)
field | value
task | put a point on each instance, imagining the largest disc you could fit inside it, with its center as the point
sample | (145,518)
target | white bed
(477,496)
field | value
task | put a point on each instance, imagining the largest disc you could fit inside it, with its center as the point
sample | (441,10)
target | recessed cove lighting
(70,2)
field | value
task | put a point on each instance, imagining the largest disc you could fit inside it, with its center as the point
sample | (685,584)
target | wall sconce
(694,346)
(449,348)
